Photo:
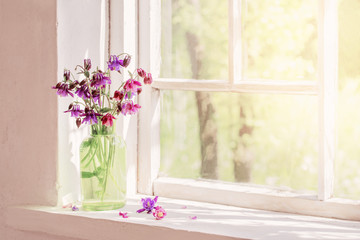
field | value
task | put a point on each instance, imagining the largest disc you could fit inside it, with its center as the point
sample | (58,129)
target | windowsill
(213,222)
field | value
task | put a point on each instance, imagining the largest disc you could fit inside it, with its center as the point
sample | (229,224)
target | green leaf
(87,175)
(87,143)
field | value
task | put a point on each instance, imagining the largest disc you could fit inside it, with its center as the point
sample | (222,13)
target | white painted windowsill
(213,222)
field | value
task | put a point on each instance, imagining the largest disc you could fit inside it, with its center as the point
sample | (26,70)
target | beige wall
(28,123)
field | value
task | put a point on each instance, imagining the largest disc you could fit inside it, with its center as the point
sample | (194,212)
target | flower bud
(148,79)
(119,108)
(82,82)
(70,106)
(87,64)
(66,75)
(126,61)
(78,122)
(139,90)
(72,85)
(141,72)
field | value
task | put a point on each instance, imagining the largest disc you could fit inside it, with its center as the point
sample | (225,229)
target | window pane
(261,139)
(280,39)
(347,165)
(194,42)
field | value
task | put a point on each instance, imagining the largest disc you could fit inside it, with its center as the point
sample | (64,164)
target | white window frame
(325,88)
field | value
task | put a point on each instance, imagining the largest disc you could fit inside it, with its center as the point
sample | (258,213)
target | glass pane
(280,39)
(194,41)
(347,165)
(261,139)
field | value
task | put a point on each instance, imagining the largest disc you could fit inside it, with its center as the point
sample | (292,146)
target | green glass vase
(103,170)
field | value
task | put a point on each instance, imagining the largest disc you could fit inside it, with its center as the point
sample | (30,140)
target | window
(245,93)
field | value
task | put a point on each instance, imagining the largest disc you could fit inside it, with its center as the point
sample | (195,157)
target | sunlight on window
(347,165)
(194,39)
(262,139)
(280,39)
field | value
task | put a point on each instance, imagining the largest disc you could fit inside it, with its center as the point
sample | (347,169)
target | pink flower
(193,218)
(123,215)
(118,96)
(132,85)
(129,108)
(141,72)
(159,213)
(107,120)
(148,79)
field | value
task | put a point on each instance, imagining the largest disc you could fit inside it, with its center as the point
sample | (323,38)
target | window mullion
(235,41)
(327,95)
(149,116)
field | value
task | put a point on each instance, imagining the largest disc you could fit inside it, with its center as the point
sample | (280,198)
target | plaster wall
(39,38)
(28,123)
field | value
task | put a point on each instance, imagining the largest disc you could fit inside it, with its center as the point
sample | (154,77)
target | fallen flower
(75,208)
(193,218)
(159,213)
(148,204)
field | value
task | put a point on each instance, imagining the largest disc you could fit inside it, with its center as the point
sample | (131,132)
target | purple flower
(148,205)
(90,116)
(75,208)
(99,79)
(114,63)
(129,107)
(63,90)
(96,96)
(75,111)
(132,85)
(87,64)
(83,92)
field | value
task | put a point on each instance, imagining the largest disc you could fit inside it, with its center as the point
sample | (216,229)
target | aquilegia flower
(90,116)
(114,63)
(148,204)
(83,92)
(63,90)
(100,80)
(159,213)
(118,95)
(75,111)
(107,120)
(132,85)
(129,107)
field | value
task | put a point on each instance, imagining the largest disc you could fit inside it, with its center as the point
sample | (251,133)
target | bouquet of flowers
(102,156)
(94,101)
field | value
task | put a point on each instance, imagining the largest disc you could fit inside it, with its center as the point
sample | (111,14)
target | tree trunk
(243,157)
(206,113)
